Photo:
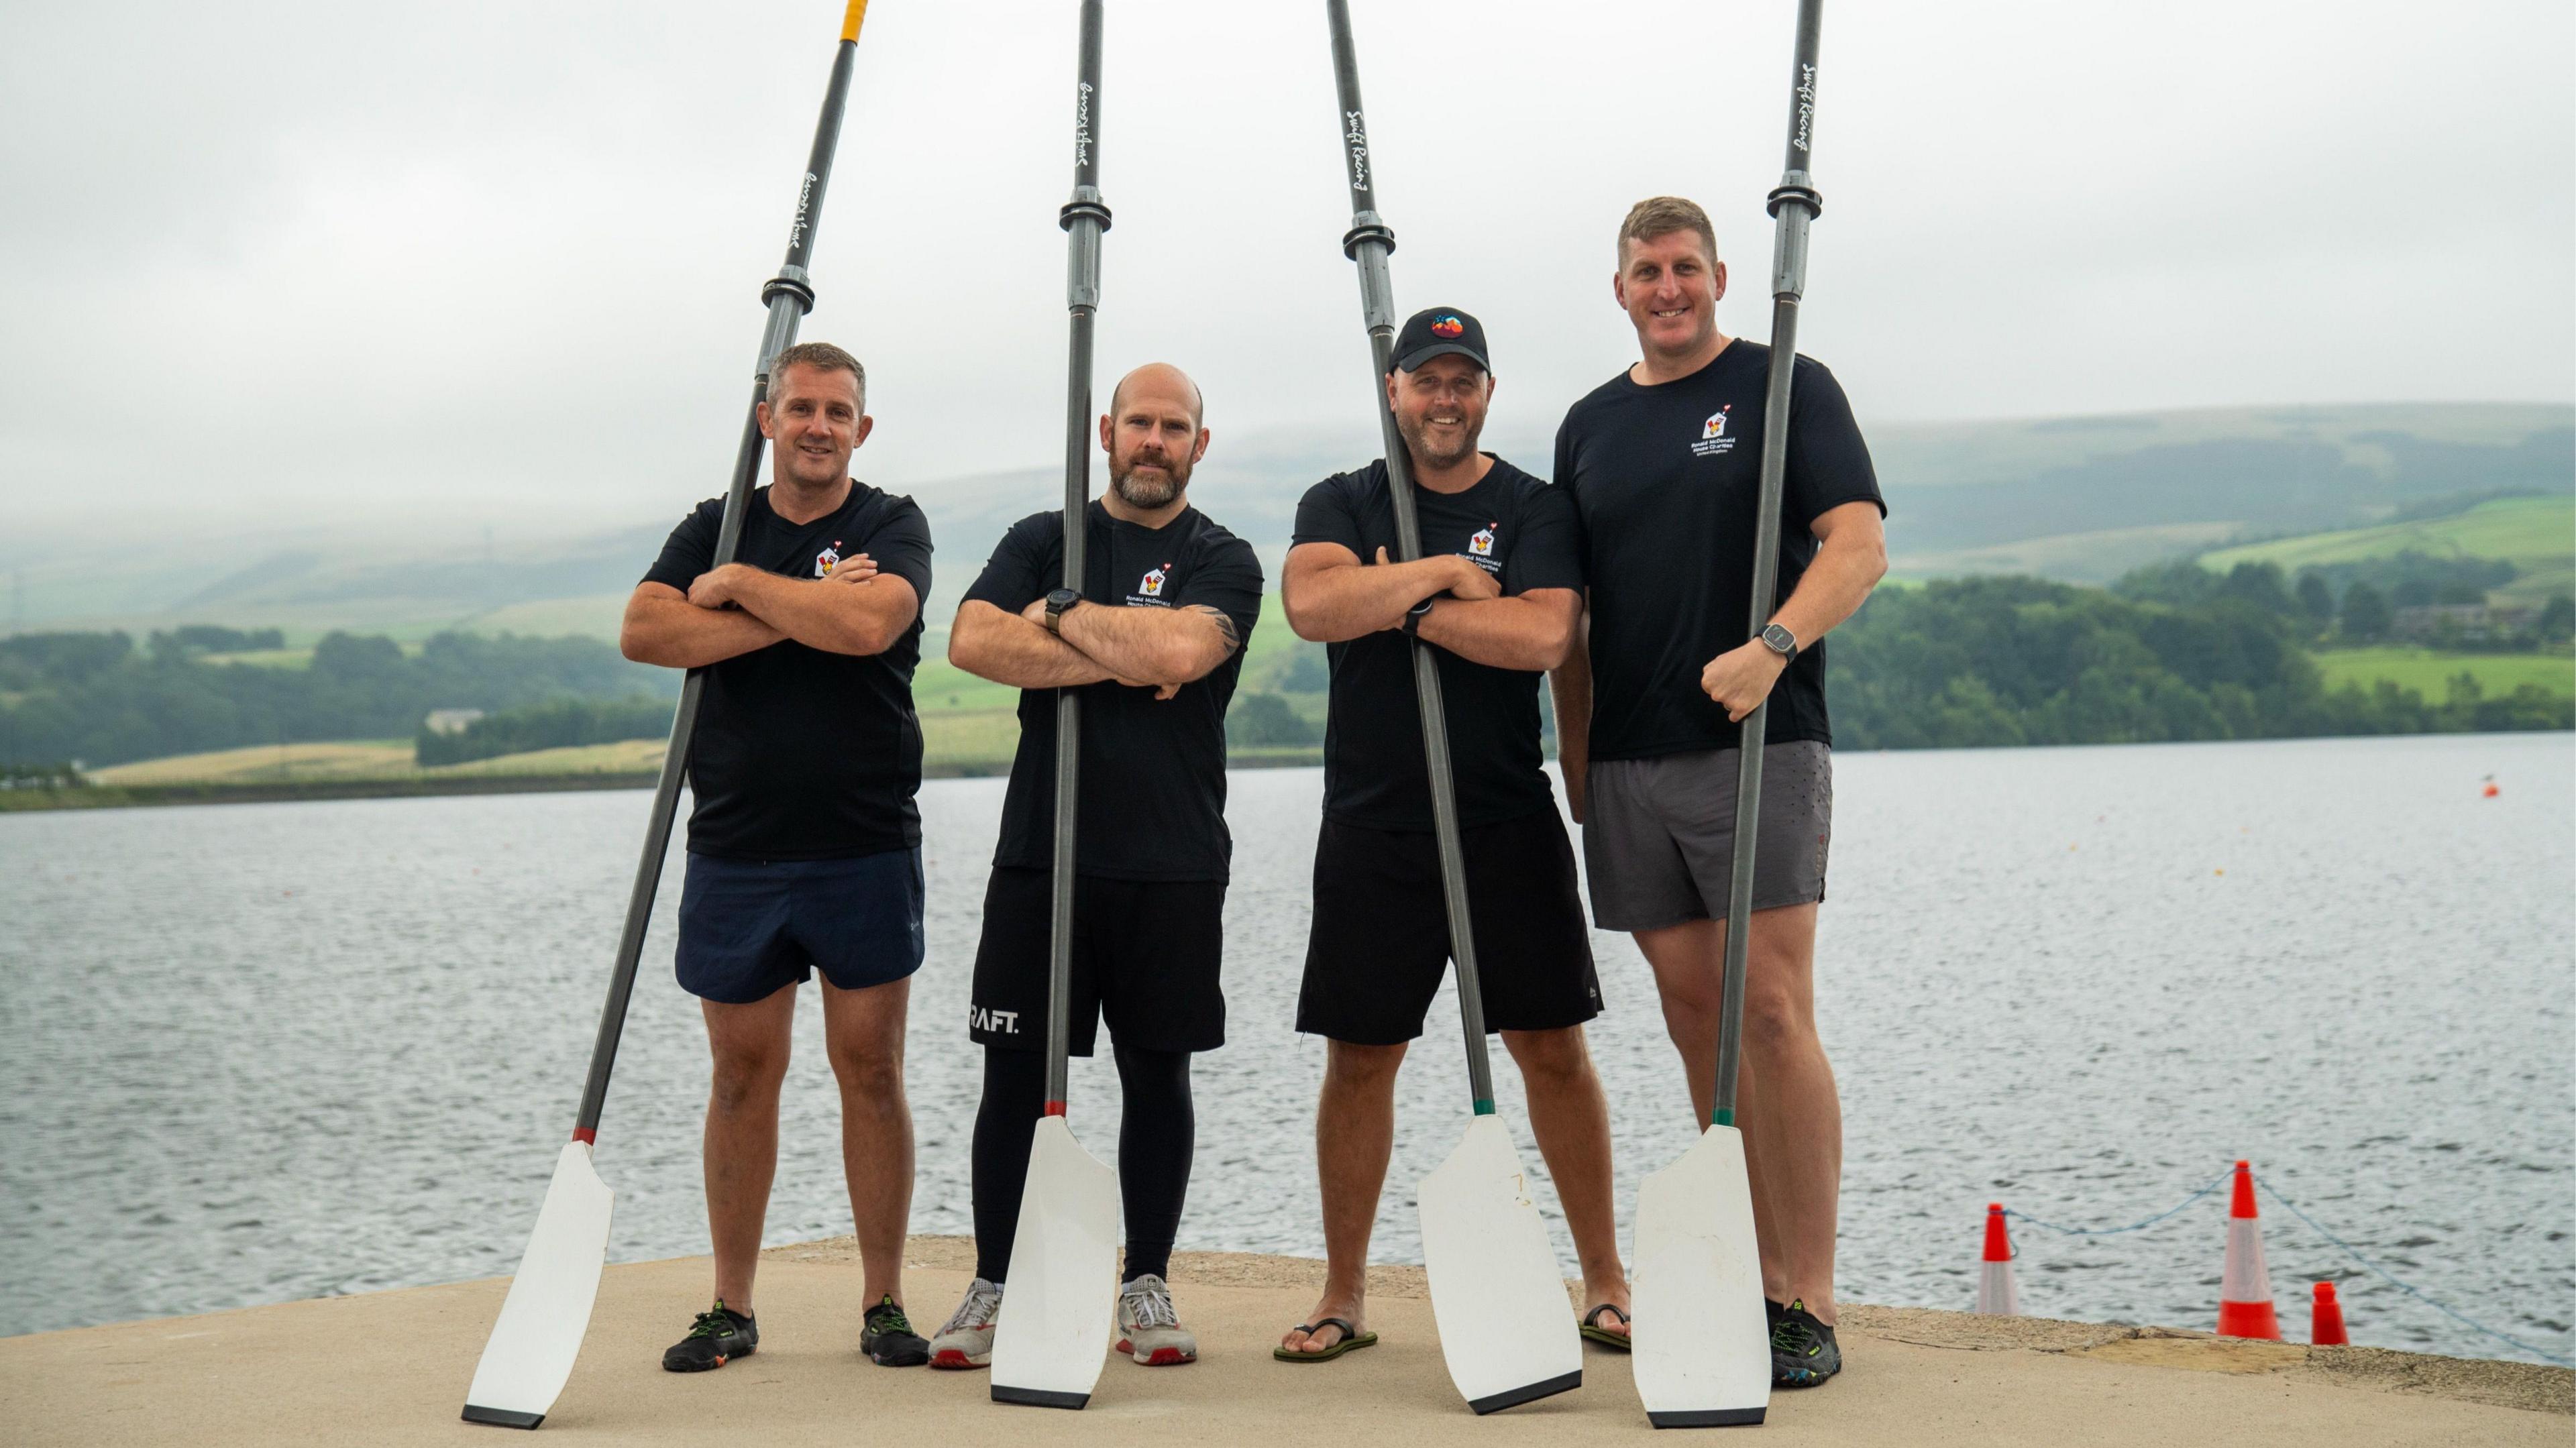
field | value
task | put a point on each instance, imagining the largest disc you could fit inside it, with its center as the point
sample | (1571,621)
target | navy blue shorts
(749,927)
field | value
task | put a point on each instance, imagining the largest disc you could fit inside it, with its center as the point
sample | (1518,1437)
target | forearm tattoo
(1224,625)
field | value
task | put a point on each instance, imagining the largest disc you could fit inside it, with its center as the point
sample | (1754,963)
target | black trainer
(888,1338)
(1771,1314)
(715,1339)
(1803,1352)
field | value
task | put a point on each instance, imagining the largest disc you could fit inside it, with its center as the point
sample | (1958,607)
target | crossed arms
(1331,597)
(738,609)
(1143,647)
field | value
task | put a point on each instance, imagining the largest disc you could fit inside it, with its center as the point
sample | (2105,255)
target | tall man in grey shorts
(1664,463)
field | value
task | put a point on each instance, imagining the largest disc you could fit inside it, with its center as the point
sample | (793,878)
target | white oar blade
(530,1353)
(1700,1345)
(1505,1325)
(1058,1307)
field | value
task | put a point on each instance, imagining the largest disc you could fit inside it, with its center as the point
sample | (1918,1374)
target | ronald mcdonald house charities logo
(1713,438)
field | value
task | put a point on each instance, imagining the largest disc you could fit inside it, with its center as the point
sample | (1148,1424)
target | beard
(1425,455)
(1150,490)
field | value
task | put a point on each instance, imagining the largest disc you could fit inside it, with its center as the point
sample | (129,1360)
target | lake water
(261,1052)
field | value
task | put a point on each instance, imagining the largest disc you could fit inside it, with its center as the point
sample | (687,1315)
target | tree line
(2163,655)
(2168,653)
(555,724)
(98,698)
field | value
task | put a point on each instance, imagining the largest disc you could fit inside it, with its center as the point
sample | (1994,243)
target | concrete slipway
(391,1368)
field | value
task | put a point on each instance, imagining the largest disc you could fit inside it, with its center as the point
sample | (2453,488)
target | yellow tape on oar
(850,22)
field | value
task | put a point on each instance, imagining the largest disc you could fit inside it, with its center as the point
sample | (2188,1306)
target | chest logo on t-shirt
(1713,440)
(1149,589)
(828,559)
(1480,548)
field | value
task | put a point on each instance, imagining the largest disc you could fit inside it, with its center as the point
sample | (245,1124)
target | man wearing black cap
(1496,593)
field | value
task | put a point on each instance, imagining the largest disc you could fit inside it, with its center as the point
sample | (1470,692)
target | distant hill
(2537,535)
(2086,499)
(2079,499)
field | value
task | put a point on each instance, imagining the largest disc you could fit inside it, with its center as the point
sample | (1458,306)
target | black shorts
(749,928)
(1380,940)
(1146,953)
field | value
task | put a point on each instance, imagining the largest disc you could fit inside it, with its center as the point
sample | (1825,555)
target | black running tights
(1156,1131)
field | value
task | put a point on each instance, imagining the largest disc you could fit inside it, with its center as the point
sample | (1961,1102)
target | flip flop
(1590,1326)
(1352,1340)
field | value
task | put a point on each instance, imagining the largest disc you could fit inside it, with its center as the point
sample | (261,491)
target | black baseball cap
(1438,332)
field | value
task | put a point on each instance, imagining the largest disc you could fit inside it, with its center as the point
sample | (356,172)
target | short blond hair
(1662,216)
(822,357)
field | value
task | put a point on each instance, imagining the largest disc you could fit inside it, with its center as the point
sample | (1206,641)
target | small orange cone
(2325,1318)
(1997,1294)
(2245,1285)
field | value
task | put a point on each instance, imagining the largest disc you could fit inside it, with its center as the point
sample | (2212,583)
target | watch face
(1060,599)
(1780,639)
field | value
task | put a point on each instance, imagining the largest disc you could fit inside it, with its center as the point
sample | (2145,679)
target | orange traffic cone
(1997,1294)
(2245,1286)
(2325,1318)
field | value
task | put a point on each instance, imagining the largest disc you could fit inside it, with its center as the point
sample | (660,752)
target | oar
(1505,1327)
(1054,1330)
(1700,1347)
(530,1353)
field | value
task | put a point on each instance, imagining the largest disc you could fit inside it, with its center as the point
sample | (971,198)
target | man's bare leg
(1571,1119)
(1354,1135)
(863,1034)
(1787,1104)
(749,1044)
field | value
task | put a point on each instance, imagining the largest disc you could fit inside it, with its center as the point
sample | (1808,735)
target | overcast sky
(500,263)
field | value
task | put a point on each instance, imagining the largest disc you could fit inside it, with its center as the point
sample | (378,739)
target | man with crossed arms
(804,842)
(1495,594)
(1154,640)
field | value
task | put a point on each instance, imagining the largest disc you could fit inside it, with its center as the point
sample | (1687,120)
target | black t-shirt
(800,753)
(1513,526)
(1667,479)
(1153,770)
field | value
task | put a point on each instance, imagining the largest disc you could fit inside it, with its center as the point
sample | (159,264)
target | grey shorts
(1659,834)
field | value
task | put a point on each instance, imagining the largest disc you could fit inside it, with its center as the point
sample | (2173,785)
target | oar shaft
(788,296)
(1368,243)
(1084,218)
(1794,203)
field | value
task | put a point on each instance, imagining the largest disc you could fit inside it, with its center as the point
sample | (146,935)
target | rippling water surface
(260,1052)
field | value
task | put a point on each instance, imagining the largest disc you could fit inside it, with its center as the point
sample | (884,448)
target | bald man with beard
(1154,640)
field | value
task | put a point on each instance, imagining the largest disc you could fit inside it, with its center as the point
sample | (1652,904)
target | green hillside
(2536,535)
(2429,671)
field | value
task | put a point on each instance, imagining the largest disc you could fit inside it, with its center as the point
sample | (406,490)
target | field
(2536,535)
(2429,672)
(373,759)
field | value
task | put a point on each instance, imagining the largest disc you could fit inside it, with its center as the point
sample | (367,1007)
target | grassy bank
(2429,671)
(2530,533)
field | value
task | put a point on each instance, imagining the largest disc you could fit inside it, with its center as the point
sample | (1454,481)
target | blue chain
(2349,1250)
(2214,1184)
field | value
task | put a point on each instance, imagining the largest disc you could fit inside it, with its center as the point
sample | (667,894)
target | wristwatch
(1057,602)
(1414,616)
(1780,641)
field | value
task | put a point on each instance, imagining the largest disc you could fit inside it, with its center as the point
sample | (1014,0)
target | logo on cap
(1447,326)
